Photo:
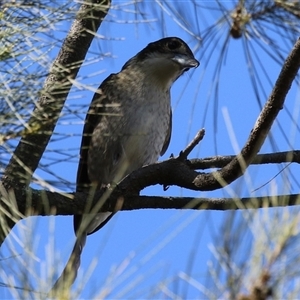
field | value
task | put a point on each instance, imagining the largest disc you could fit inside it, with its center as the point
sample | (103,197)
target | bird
(128,125)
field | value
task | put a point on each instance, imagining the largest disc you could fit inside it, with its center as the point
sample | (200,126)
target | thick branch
(258,134)
(170,172)
(53,96)
(49,203)
(55,91)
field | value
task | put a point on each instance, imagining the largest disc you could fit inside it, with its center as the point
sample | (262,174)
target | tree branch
(125,195)
(222,161)
(53,96)
(47,203)
(239,164)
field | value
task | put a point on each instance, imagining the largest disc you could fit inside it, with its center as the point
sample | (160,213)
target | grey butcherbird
(128,125)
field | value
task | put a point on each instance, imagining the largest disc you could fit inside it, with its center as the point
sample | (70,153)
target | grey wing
(168,136)
(93,118)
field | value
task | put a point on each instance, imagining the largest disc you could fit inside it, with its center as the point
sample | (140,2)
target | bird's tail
(64,282)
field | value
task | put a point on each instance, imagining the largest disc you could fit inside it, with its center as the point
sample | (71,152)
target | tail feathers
(64,282)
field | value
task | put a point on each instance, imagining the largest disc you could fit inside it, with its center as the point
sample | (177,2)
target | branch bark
(45,203)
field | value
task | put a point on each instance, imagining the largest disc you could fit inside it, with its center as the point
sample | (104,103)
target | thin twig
(189,148)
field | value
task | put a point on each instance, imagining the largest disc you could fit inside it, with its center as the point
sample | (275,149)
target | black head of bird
(165,60)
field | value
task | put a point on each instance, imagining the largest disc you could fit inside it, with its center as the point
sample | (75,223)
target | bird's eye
(172,45)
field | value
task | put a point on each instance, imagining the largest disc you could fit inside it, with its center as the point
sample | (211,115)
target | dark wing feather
(93,117)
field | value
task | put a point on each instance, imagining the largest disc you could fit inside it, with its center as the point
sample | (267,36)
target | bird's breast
(148,121)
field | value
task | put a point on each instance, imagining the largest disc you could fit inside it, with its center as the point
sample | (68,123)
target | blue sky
(137,250)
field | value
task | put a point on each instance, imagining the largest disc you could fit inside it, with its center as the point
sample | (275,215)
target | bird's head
(164,61)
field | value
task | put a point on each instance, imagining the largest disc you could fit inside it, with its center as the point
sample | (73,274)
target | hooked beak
(186,62)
